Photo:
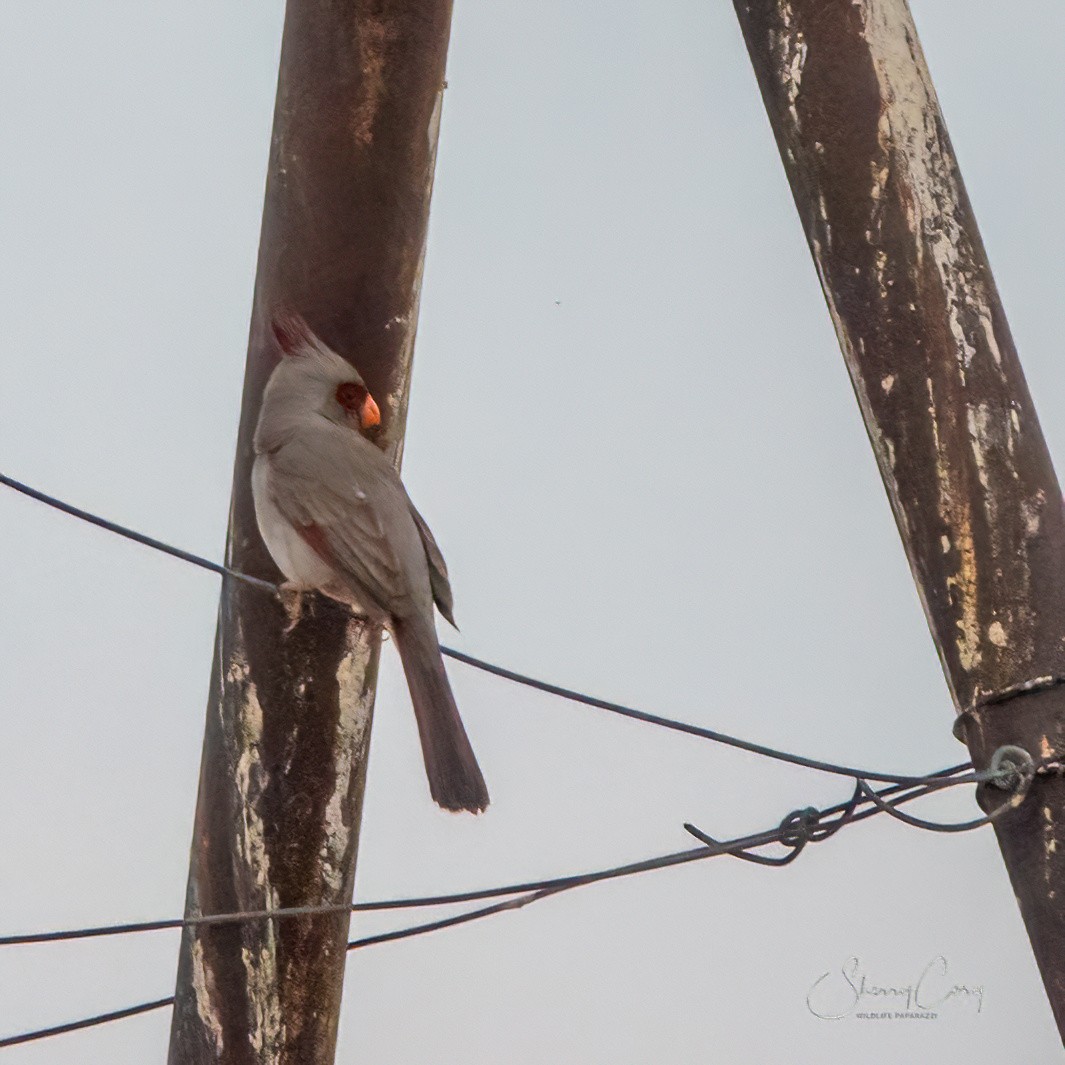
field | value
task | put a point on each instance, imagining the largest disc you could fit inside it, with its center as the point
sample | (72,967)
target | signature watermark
(850,991)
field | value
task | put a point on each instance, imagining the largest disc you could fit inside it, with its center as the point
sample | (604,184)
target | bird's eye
(351,395)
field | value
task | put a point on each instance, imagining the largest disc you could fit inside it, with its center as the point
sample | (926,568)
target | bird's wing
(334,495)
(438,577)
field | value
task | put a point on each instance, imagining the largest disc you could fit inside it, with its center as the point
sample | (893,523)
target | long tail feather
(455,779)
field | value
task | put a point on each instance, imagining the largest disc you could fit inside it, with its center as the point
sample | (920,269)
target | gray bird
(336,517)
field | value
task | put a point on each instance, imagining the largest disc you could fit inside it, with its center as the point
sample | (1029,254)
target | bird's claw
(291,596)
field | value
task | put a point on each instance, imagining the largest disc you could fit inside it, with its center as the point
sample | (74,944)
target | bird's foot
(291,596)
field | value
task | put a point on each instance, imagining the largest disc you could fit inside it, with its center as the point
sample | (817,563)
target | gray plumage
(335,517)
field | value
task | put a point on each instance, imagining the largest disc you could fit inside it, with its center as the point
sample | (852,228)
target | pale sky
(633,435)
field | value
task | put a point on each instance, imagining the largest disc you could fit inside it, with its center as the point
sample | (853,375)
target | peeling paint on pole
(940,386)
(288,725)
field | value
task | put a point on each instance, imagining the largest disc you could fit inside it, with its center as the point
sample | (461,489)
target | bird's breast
(295,557)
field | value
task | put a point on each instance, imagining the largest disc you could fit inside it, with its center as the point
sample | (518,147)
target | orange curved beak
(369,413)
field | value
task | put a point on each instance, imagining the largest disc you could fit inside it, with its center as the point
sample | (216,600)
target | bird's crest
(292,332)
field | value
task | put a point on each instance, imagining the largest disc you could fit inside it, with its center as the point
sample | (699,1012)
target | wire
(487,667)
(935,826)
(136,537)
(681,726)
(947,778)
(367,941)
(356,944)
(173,922)
(462,918)
(87,1022)
(846,813)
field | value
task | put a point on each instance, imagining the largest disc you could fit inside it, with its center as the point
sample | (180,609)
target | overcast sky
(632,432)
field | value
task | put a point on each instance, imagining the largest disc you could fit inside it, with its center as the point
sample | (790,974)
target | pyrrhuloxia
(336,517)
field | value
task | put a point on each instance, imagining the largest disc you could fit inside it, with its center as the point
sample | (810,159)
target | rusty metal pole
(288,722)
(941,390)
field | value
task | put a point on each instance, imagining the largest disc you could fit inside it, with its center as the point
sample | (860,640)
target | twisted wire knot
(797,829)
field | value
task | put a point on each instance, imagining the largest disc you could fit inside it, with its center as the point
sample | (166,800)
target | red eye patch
(351,396)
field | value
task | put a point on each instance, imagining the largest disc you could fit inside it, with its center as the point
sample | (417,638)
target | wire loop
(794,832)
(1012,768)
(796,828)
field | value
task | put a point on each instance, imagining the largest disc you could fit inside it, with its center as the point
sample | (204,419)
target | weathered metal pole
(941,389)
(288,722)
